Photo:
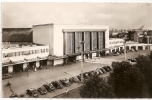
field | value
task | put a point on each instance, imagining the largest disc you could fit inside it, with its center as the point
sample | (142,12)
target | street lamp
(82,42)
(148,43)
(125,47)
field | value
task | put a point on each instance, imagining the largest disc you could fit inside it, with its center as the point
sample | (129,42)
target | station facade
(64,41)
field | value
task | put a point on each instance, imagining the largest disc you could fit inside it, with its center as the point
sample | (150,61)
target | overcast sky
(115,15)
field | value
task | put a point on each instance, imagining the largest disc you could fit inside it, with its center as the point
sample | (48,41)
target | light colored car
(6,76)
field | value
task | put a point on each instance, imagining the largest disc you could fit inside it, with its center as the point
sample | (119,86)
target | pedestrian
(66,91)
(27,73)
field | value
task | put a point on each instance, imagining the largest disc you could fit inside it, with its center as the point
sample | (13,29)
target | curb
(64,93)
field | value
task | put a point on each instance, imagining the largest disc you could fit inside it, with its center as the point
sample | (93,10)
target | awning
(73,54)
(52,57)
(16,59)
(94,51)
(64,56)
(6,63)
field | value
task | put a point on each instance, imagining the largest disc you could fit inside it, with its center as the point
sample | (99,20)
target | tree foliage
(96,87)
(144,63)
(126,80)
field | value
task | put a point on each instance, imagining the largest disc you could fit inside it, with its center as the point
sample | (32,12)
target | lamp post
(148,43)
(82,42)
(125,47)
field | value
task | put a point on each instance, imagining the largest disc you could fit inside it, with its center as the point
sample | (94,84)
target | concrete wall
(58,35)
(115,42)
(43,34)
(52,35)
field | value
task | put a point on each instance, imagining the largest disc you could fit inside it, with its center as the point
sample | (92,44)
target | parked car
(132,61)
(42,90)
(100,72)
(91,73)
(57,84)
(110,68)
(79,77)
(32,92)
(85,75)
(65,82)
(49,87)
(6,76)
(103,70)
(107,69)
(71,80)
(14,95)
(75,79)
(116,54)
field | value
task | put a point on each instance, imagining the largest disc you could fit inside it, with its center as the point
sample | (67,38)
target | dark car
(42,90)
(107,69)
(74,79)
(85,75)
(96,72)
(79,77)
(100,72)
(6,76)
(14,95)
(91,73)
(71,80)
(65,82)
(49,87)
(103,70)
(57,84)
(32,92)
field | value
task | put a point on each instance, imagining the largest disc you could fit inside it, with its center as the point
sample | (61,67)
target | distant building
(18,50)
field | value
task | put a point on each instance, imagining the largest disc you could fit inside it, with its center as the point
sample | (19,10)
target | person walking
(27,73)
(66,91)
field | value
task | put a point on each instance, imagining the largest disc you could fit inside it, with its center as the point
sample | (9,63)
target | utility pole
(82,42)
(125,47)
(148,43)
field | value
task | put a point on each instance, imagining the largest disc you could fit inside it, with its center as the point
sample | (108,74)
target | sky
(114,15)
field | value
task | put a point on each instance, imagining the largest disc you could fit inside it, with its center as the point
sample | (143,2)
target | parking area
(20,81)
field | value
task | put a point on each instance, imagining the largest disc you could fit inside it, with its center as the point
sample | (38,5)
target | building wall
(115,42)
(54,37)
(31,50)
(43,34)
(58,35)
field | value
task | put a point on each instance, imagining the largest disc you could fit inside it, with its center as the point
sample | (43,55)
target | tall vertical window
(94,40)
(100,40)
(70,42)
(46,50)
(17,53)
(78,38)
(87,41)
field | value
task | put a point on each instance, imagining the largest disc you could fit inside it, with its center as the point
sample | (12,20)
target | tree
(126,80)
(96,87)
(150,56)
(144,63)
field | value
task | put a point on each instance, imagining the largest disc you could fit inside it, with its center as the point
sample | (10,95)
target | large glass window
(78,38)
(70,42)
(47,50)
(17,53)
(26,52)
(42,50)
(87,41)
(100,40)
(94,40)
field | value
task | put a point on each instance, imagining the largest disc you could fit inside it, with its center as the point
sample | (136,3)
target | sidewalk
(20,81)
